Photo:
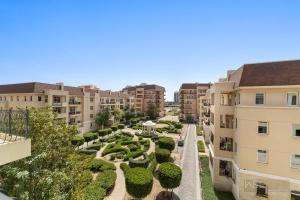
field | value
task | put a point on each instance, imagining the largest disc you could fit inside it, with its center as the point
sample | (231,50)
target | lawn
(201,147)
(208,191)
(198,130)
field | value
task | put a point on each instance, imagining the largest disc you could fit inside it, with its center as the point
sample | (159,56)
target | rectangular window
(11,98)
(292,99)
(25,98)
(262,128)
(296,130)
(91,99)
(46,99)
(39,98)
(259,98)
(30,98)
(91,116)
(261,190)
(262,156)
(17,98)
(295,161)
(91,107)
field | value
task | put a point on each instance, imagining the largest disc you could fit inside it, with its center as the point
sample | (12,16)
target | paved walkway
(189,188)
(119,190)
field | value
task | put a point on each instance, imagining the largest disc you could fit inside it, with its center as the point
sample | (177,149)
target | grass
(173,112)
(208,190)
(198,130)
(201,147)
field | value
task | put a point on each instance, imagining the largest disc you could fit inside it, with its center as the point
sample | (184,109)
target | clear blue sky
(112,43)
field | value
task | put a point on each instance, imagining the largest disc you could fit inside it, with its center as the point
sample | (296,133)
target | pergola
(149,126)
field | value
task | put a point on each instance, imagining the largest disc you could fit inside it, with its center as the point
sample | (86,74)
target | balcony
(59,104)
(73,102)
(14,131)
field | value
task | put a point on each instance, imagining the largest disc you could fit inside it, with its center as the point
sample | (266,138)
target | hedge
(134,154)
(86,177)
(104,132)
(94,192)
(139,182)
(139,163)
(201,147)
(95,146)
(121,126)
(153,165)
(166,143)
(162,155)
(78,140)
(106,180)
(90,136)
(127,134)
(114,128)
(133,147)
(113,148)
(124,167)
(88,152)
(169,175)
(100,165)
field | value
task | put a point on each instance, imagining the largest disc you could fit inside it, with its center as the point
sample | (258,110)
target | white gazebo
(149,126)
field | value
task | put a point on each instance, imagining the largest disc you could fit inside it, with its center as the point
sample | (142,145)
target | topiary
(121,126)
(102,132)
(169,175)
(138,181)
(90,136)
(162,155)
(139,163)
(166,143)
(78,140)
(94,192)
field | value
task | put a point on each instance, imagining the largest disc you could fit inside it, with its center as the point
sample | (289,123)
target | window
(91,99)
(11,98)
(259,99)
(39,98)
(295,195)
(18,98)
(235,147)
(91,116)
(261,190)
(296,130)
(91,107)
(46,99)
(262,156)
(226,144)
(236,123)
(292,99)
(25,98)
(262,128)
(295,161)
(0,98)
(30,98)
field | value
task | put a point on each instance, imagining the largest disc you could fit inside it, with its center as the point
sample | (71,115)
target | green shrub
(85,178)
(100,165)
(198,130)
(120,155)
(134,154)
(114,128)
(124,167)
(90,136)
(107,180)
(139,163)
(113,148)
(153,165)
(88,152)
(129,142)
(127,134)
(109,130)
(178,125)
(102,132)
(139,182)
(78,140)
(133,147)
(95,146)
(112,157)
(201,147)
(166,143)
(94,192)
(121,126)
(169,175)
(162,155)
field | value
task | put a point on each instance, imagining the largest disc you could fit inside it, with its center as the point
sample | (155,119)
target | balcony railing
(74,102)
(14,125)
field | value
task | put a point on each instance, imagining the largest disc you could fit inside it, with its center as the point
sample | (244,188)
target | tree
(44,174)
(118,114)
(152,112)
(129,113)
(102,118)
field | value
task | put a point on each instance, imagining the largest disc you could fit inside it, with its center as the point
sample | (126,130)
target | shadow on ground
(164,195)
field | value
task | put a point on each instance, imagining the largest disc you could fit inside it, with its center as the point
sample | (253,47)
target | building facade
(192,100)
(176,97)
(254,131)
(146,95)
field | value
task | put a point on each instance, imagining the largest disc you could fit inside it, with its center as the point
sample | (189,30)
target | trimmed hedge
(100,165)
(106,180)
(132,147)
(78,140)
(121,126)
(90,136)
(169,175)
(88,152)
(113,148)
(153,165)
(95,146)
(162,155)
(86,177)
(139,182)
(134,154)
(114,128)
(166,143)
(124,167)
(201,147)
(104,132)
(94,192)
(139,163)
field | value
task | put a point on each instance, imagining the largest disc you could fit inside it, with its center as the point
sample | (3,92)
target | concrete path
(189,188)
(119,190)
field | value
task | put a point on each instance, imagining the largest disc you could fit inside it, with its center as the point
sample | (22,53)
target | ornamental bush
(139,163)
(106,180)
(169,175)
(121,126)
(100,165)
(90,136)
(114,128)
(102,132)
(78,140)
(85,178)
(162,155)
(113,148)
(166,143)
(134,154)
(124,167)
(95,146)
(88,152)
(94,192)
(138,181)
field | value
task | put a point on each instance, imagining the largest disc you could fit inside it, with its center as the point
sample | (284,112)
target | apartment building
(70,103)
(146,95)
(176,97)
(192,100)
(254,131)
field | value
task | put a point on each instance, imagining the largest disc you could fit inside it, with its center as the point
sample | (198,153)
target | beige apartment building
(146,95)
(254,131)
(192,100)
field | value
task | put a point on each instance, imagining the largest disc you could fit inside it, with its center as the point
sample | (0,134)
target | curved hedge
(121,126)
(106,180)
(139,182)
(95,146)
(139,163)
(162,155)
(114,128)
(113,148)
(100,165)
(88,152)
(166,143)
(90,136)
(169,175)
(94,192)
(77,140)
(134,154)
